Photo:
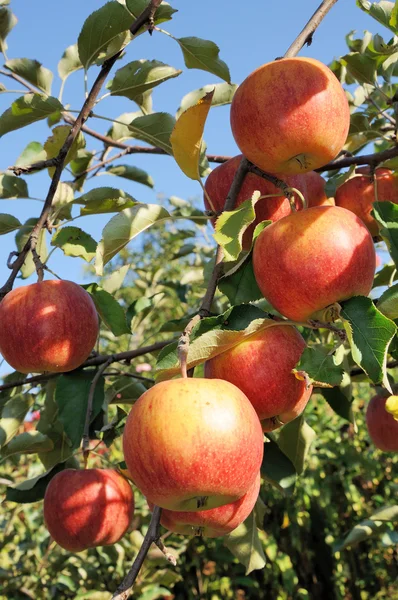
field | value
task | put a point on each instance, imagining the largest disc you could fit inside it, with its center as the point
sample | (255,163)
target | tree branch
(365,159)
(21,81)
(89,411)
(305,36)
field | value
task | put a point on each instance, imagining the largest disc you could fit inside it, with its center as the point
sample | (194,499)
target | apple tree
(239,338)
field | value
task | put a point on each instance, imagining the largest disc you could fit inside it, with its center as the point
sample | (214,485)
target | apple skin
(261,366)
(193,444)
(313,258)
(314,190)
(220,180)
(88,508)
(47,326)
(357,194)
(290,116)
(382,427)
(215,522)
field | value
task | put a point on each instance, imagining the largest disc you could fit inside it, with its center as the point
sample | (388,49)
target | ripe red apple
(47,326)
(358,194)
(314,190)
(220,180)
(261,366)
(313,258)
(382,427)
(215,522)
(290,116)
(88,508)
(192,444)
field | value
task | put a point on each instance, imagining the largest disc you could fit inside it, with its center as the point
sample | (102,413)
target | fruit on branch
(357,194)
(312,259)
(193,444)
(88,508)
(382,427)
(314,190)
(47,326)
(290,116)
(215,522)
(261,366)
(220,180)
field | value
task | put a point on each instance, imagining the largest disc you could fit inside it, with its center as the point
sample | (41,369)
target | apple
(290,116)
(193,444)
(312,259)
(261,366)
(220,180)
(357,194)
(382,427)
(314,190)
(214,522)
(47,326)
(88,508)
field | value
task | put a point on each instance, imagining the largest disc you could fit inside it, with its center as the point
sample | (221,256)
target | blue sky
(247,37)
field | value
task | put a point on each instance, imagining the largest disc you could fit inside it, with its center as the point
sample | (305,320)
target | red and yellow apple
(357,194)
(290,116)
(220,180)
(193,444)
(88,508)
(312,259)
(215,522)
(47,326)
(261,366)
(382,426)
(314,190)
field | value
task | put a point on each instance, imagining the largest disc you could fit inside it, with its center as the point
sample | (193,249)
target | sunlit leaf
(8,223)
(246,546)
(26,110)
(75,242)
(32,71)
(295,440)
(204,55)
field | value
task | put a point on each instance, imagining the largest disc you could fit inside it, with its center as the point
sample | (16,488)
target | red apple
(218,185)
(47,326)
(192,444)
(357,194)
(314,190)
(215,522)
(382,427)
(313,258)
(261,366)
(88,508)
(290,116)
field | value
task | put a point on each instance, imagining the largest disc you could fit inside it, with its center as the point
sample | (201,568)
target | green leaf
(162,14)
(21,237)
(241,286)
(62,203)
(381,11)
(34,489)
(104,200)
(245,545)
(339,402)
(124,391)
(393,21)
(26,110)
(232,224)
(277,469)
(124,227)
(155,129)
(78,165)
(136,79)
(8,223)
(32,154)
(12,416)
(369,333)
(75,242)
(104,33)
(388,303)
(7,22)
(12,187)
(320,366)
(131,173)
(295,440)
(120,130)
(386,275)
(386,214)
(55,142)
(223,94)
(109,310)
(71,396)
(369,527)
(32,71)
(361,67)
(28,442)
(70,62)
(114,282)
(203,54)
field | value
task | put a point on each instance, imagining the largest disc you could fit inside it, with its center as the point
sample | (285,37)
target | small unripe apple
(261,366)
(290,116)
(382,426)
(312,259)
(47,326)
(357,194)
(88,508)
(215,522)
(193,444)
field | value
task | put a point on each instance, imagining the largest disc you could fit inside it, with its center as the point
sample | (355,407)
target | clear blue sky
(248,36)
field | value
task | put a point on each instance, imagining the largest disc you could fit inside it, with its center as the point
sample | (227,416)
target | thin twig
(392,364)
(21,81)
(305,36)
(89,411)
(365,159)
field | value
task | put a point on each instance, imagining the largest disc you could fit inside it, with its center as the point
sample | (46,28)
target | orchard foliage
(325,488)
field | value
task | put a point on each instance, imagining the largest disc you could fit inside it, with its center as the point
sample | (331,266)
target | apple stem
(183,345)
